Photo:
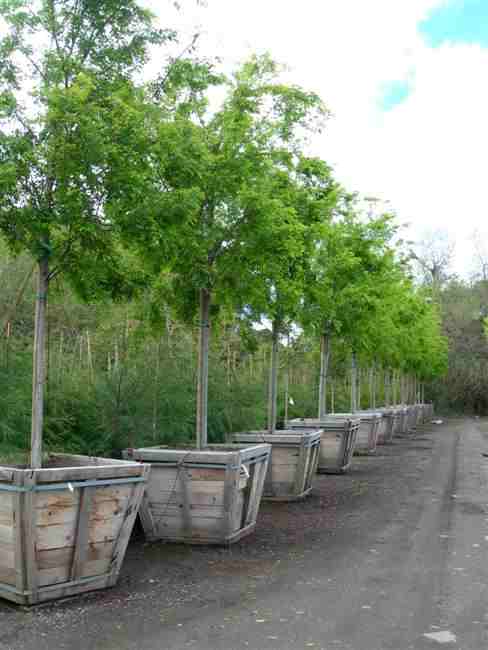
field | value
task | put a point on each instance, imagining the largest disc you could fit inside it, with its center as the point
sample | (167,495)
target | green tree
(226,177)
(351,267)
(71,144)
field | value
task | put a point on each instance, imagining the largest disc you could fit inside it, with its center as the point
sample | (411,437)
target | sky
(406,82)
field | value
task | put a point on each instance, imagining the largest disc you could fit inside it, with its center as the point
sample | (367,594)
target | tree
(306,192)
(72,147)
(228,171)
(351,265)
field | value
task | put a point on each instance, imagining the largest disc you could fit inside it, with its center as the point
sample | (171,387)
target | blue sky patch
(394,93)
(457,21)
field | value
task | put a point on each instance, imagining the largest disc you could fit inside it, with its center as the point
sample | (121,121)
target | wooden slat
(301,470)
(231,493)
(68,499)
(257,492)
(82,533)
(65,590)
(65,515)
(6,475)
(71,474)
(186,504)
(8,575)
(248,492)
(19,544)
(61,575)
(198,497)
(61,557)
(128,524)
(60,535)
(87,461)
(30,537)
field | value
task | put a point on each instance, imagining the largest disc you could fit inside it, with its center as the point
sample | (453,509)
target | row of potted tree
(118,186)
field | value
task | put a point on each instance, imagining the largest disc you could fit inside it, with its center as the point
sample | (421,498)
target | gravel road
(392,556)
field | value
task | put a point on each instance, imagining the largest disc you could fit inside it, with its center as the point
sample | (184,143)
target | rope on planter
(179,466)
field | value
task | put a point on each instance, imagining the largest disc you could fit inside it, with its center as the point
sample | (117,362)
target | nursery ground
(373,560)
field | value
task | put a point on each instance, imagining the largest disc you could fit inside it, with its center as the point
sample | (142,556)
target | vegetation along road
(378,559)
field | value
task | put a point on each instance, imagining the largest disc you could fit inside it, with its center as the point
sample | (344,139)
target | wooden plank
(301,471)
(66,590)
(231,494)
(125,531)
(62,575)
(65,515)
(19,545)
(60,535)
(90,460)
(248,492)
(8,575)
(202,528)
(257,491)
(82,530)
(285,455)
(178,456)
(160,489)
(29,533)
(147,519)
(286,438)
(68,499)
(7,556)
(175,510)
(6,475)
(186,504)
(72,474)
(198,498)
(249,453)
(62,557)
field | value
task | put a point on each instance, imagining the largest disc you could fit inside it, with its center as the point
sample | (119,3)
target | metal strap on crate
(70,485)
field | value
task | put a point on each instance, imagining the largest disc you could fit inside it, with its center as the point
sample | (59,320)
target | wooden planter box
(412,417)
(337,442)
(403,420)
(427,412)
(293,461)
(208,496)
(64,529)
(367,438)
(387,426)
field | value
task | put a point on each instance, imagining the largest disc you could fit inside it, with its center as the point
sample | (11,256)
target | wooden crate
(337,441)
(64,528)
(367,437)
(208,496)
(388,423)
(412,415)
(293,461)
(403,420)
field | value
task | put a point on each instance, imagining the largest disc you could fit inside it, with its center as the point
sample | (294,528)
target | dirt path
(372,561)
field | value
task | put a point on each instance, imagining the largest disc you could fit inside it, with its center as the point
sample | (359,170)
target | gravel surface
(391,556)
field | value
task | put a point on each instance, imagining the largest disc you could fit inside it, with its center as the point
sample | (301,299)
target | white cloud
(428,154)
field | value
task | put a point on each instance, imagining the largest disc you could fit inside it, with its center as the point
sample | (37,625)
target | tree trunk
(354,384)
(39,364)
(324,367)
(387,388)
(273,379)
(358,392)
(202,386)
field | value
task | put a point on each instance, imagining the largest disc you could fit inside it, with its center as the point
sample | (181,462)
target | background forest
(124,373)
